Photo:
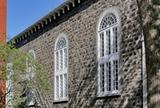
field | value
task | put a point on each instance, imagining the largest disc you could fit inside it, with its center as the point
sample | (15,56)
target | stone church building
(95,53)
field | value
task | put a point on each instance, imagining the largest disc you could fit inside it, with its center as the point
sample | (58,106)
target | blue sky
(23,13)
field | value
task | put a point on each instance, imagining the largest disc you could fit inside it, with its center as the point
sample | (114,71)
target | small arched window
(108,54)
(30,76)
(9,85)
(61,68)
(30,67)
(32,54)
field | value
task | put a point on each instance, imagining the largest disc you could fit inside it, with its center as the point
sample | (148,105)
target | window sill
(60,101)
(107,95)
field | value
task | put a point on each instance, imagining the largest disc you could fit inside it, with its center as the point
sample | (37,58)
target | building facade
(2,41)
(2,20)
(94,51)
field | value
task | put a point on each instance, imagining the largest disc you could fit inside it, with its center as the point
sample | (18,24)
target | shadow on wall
(151,27)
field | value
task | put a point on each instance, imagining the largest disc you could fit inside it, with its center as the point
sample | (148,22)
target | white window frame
(108,57)
(61,71)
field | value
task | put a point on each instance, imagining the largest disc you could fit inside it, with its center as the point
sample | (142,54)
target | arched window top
(61,43)
(107,21)
(109,18)
(32,54)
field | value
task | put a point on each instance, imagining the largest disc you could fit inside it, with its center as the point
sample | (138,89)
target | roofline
(50,17)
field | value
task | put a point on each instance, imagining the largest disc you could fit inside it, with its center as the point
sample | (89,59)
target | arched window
(61,68)
(108,53)
(9,86)
(32,54)
(30,67)
(30,75)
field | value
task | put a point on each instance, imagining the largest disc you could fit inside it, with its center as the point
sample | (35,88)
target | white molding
(144,72)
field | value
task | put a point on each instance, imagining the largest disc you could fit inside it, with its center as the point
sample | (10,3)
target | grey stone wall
(151,30)
(81,33)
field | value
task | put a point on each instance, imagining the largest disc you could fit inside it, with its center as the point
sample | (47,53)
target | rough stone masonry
(80,26)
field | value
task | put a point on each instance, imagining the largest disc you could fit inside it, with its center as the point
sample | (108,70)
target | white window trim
(116,12)
(58,72)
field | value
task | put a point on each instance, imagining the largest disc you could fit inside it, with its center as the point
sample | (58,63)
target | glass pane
(108,73)
(115,73)
(61,59)
(108,42)
(57,60)
(65,85)
(65,57)
(102,79)
(57,86)
(101,44)
(61,86)
(115,40)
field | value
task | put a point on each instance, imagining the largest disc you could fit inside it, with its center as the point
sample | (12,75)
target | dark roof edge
(50,17)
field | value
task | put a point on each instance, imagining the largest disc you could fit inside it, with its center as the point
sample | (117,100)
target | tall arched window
(108,53)
(61,68)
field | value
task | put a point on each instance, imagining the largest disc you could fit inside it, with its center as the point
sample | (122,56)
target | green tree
(26,78)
